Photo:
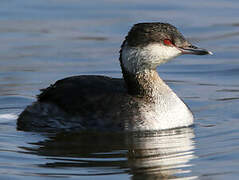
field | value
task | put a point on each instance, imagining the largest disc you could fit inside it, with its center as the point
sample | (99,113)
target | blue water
(43,41)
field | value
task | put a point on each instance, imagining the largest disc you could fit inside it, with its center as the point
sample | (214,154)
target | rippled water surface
(43,41)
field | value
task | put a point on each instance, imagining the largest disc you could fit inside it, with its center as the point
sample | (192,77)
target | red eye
(167,42)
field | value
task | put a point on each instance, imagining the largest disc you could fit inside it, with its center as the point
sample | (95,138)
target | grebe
(140,101)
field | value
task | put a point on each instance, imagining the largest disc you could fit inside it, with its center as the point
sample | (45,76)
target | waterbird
(140,101)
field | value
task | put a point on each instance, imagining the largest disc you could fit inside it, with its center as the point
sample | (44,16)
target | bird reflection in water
(159,155)
(144,155)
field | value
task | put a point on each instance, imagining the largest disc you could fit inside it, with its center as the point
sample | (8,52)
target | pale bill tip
(209,52)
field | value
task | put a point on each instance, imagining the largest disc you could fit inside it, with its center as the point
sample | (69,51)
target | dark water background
(43,41)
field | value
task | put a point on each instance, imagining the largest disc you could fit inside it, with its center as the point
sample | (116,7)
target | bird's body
(140,101)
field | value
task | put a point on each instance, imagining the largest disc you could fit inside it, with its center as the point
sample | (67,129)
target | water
(42,41)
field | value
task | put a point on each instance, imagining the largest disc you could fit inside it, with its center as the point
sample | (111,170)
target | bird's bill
(194,50)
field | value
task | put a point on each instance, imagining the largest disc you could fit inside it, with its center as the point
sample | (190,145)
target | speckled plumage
(143,34)
(142,101)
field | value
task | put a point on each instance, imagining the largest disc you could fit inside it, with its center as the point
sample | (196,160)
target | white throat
(135,59)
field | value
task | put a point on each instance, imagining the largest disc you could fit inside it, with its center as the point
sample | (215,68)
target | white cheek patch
(161,52)
(135,59)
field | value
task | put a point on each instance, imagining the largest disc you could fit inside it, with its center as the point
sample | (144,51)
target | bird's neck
(146,83)
(138,66)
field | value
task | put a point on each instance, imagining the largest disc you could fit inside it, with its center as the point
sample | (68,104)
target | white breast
(167,112)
